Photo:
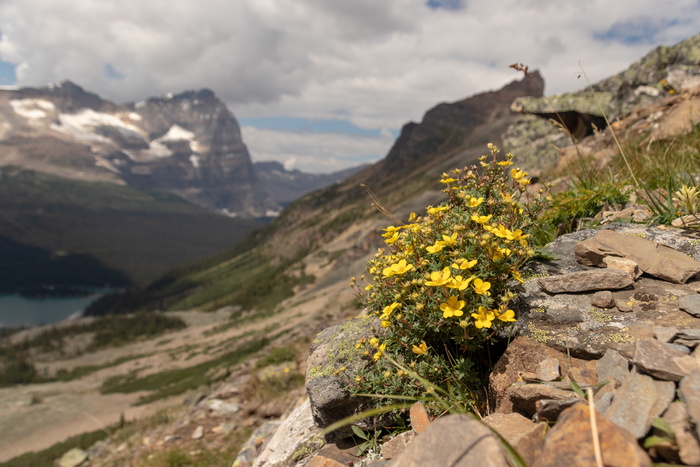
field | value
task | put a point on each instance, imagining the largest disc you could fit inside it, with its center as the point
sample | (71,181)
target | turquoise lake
(16,310)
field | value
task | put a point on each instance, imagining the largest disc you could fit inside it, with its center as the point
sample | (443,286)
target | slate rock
(549,369)
(639,401)
(612,367)
(73,458)
(522,356)
(689,393)
(396,445)
(331,455)
(523,397)
(198,432)
(653,258)
(584,281)
(329,395)
(548,410)
(297,431)
(665,333)
(454,440)
(688,447)
(623,305)
(690,304)
(526,437)
(623,264)
(570,443)
(657,359)
(419,417)
(256,443)
(603,299)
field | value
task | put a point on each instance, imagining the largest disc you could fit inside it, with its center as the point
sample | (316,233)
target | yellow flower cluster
(440,287)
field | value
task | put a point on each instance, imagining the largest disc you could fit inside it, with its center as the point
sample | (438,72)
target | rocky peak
(450,126)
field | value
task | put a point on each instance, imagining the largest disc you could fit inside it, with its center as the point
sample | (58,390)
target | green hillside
(104,233)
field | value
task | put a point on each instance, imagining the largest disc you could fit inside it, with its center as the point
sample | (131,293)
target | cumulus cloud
(315,152)
(374,63)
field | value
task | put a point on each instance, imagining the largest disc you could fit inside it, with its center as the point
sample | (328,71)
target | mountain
(187,144)
(325,236)
(285,186)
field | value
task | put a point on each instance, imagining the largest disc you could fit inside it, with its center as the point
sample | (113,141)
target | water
(16,310)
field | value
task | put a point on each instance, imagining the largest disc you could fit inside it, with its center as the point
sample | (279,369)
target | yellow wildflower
(439,278)
(480,219)
(474,202)
(464,263)
(421,349)
(481,287)
(459,283)
(505,163)
(379,352)
(386,312)
(448,180)
(397,269)
(449,240)
(435,247)
(453,307)
(507,315)
(483,317)
(433,211)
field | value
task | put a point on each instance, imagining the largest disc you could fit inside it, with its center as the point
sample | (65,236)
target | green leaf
(359,432)
(577,389)
(663,425)
(652,441)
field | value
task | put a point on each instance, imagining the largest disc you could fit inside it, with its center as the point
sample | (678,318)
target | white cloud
(375,63)
(315,152)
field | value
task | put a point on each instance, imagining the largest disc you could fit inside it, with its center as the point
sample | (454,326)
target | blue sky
(321,85)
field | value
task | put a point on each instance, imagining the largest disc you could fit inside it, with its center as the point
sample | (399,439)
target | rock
(623,264)
(331,456)
(548,370)
(653,258)
(523,397)
(419,417)
(73,458)
(526,437)
(665,333)
(221,408)
(454,440)
(638,402)
(568,322)
(321,461)
(397,444)
(613,368)
(548,410)
(570,444)
(623,305)
(522,356)
(690,304)
(688,447)
(198,432)
(328,392)
(296,435)
(689,393)
(657,359)
(603,299)
(255,443)
(585,281)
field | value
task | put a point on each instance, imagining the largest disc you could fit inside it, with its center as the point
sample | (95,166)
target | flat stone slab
(569,323)
(586,281)
(653,258)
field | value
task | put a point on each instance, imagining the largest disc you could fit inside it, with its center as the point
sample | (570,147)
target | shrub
(442,286)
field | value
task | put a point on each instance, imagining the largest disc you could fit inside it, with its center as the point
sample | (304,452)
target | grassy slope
(110,228)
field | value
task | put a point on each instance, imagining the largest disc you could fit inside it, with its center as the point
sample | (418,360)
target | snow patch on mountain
(32,109)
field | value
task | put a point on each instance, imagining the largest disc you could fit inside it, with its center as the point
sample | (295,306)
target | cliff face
(188,144)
